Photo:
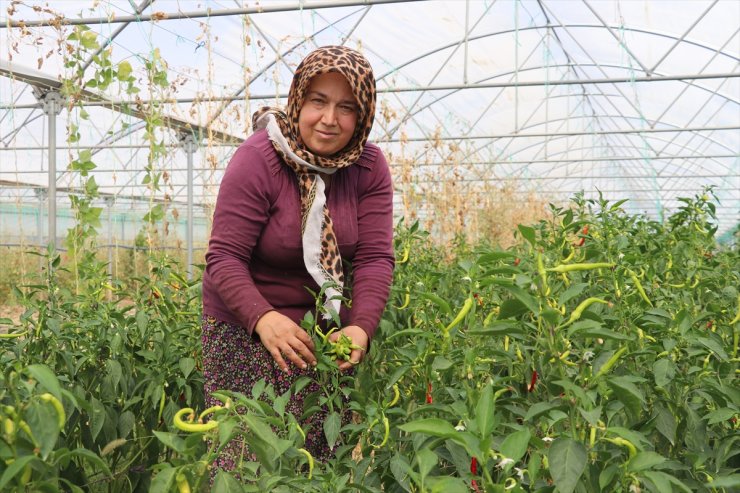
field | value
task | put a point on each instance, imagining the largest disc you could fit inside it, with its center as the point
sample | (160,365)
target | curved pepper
(190,426)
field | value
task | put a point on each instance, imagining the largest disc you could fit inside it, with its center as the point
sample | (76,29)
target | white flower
(587,355)
(460,426)
(467,279)
(520,473)
(505,461)
(548,439)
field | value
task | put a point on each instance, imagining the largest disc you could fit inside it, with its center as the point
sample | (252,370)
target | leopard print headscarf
(320,247)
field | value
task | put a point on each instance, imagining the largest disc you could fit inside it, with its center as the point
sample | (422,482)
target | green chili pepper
(61,415)
(386,431)
(611,362)
(13,335)
(581,308)
(189,426)
(542,272)
(460,316)
(624,443)
(578,267)
(639,287)
(310,460)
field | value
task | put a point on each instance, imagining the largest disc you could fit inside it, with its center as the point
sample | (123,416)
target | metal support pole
(52,103)
(109,201)
(189,145)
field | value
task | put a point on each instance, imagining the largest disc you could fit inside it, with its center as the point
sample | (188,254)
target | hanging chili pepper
(474,466)
(516,262)
(474,484)
(429,392)
(533,381)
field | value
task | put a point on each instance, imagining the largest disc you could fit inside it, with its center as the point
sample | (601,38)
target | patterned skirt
(233,360)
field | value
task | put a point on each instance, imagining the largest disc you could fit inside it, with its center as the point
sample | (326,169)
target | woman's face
(329,114)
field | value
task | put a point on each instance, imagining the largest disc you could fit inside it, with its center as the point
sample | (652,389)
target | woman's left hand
(359,337)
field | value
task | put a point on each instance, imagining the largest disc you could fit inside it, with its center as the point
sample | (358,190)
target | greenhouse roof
(630,99)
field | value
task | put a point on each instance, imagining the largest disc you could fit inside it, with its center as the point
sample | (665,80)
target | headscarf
(320,247)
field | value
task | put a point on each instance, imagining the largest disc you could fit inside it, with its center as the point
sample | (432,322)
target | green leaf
(581,326)
(427,460)
(124,70)
(645,460)
(628,393)
(525,298)
(126,423)
(720,415)
(730,482)
(665,423)
(46,378)
(186,366)
(538,409)
(171,440)
(42,418)
(528,234)
(89,40)
(605,333)
(663,372)
(515,445)
(332,424)
(713,346)
(663,481)
(91,458)
(511,308)
(429,426)
(447,484)
(114,373)
(499,328)
(441,363)
(401,469)
(484,411)
(97,417)
(567,459)
(225,483)
(164,480)
(14,468)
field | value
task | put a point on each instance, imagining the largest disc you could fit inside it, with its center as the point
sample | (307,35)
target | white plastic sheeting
(633,99)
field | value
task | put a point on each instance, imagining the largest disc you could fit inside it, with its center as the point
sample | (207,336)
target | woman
(303,193)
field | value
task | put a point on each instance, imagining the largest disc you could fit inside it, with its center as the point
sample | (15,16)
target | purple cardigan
(254,262)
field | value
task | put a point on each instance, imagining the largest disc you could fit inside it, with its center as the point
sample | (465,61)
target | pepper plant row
(600,354)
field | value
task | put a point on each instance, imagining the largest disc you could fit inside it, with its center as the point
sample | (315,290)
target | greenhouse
(564,312)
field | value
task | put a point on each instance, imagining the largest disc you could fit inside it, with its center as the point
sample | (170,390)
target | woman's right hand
(284,338)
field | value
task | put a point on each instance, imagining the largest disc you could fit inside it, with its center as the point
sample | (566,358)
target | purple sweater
(254,262)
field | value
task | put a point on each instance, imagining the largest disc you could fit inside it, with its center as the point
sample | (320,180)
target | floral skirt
(233,360)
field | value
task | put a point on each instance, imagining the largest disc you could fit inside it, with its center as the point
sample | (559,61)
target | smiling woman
(279,234)
(329,115)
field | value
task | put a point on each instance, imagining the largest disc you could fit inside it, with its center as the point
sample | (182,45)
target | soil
(12,312)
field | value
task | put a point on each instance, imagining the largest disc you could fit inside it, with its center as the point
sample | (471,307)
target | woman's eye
(347,109)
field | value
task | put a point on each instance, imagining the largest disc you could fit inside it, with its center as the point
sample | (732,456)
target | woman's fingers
(275,352)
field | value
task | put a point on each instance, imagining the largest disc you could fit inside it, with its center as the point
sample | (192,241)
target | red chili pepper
(474,466)
(516,262)
(429,392)
(581,242)
(533,381)
(585,229)
(474,484)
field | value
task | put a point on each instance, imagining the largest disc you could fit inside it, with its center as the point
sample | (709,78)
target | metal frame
(640,138)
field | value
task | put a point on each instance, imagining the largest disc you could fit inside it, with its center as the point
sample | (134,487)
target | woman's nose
(329,116)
